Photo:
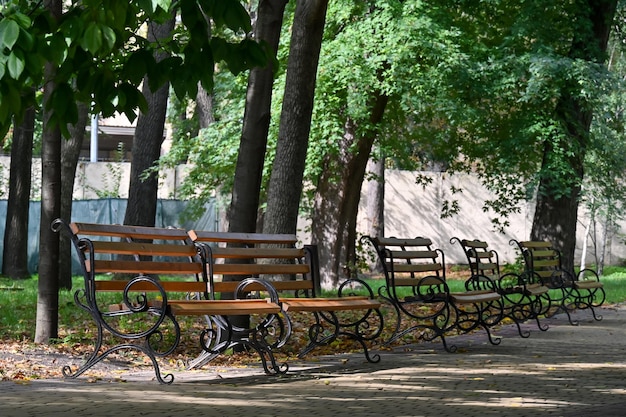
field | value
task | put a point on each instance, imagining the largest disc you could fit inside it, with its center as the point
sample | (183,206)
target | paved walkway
(566,371)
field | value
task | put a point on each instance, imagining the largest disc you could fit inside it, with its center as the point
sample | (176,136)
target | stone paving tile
(567,371)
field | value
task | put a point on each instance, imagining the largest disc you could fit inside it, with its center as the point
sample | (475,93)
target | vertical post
(312,258)
(93,147)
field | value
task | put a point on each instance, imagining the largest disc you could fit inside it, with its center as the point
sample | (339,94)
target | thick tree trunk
(256,121)
(337,199)
(204,108)
(285,186)
(146,149)
(70,151)
(556,212)
(375,209)
(15,253)
(47,321)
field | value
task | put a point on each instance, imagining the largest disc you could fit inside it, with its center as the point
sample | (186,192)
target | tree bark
(47,321)
(204,108)
(15,253)
(146,149)
(244,204)
(285,186)
(556,212)
(375,204)
(70,152)
(337,197)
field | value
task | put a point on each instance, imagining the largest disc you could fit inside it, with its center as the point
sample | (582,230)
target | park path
(566,371)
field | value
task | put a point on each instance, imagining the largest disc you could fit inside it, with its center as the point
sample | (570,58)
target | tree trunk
(256,121)
(556,212)
(47,321)
(375,204)
(285,188)
(204,108)
(337,199)
(70,151)
(146,149)
(15,253)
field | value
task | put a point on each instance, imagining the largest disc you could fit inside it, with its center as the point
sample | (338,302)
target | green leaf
(9,32)
(72,27)
(58,48)
(61,100)
(236,17)
(22,20)
(109,38)
(92,38)
(15,64)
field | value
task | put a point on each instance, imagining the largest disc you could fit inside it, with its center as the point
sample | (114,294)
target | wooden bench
(416,286)
(276,258)
(154,276)
(568,291)
(524,295)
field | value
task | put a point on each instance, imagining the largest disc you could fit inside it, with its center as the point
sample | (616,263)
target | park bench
(568,291)
(149,276)
(295,277)
(524,295)
(416,287)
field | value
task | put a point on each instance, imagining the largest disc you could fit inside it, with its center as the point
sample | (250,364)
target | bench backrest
(108,251)
(481,259)
(274,257)
(540,257)
(406,262)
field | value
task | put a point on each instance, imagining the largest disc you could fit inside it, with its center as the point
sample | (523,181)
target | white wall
(410,210)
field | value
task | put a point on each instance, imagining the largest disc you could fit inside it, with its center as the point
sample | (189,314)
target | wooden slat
(125,231)
(324,304)
(474,244)
(545,263)
(251,253)
(409,254)
(260,269)
(535,244)
(145,267)
(137,248)
(249,238)
(401,268)
(474,297)
(392,241)
(168,286)
(223,307)
(485,266)
(412,282)
(291,285)
(544,253)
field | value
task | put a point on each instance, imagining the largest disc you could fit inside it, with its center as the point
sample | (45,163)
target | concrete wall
(410,209)
(413,210)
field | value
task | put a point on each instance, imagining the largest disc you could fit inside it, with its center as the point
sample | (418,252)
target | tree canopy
(102,57)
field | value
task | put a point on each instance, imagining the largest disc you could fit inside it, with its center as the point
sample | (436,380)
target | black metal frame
(364,329)
(447,312)
(575,290)
(524,295)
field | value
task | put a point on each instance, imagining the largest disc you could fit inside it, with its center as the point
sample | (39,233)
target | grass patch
(18,305)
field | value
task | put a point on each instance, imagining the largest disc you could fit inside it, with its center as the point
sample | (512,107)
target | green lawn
(18,300)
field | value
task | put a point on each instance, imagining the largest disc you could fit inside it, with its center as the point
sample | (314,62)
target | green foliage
(101,58)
